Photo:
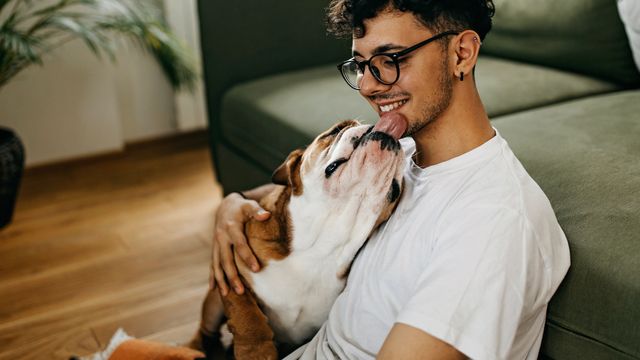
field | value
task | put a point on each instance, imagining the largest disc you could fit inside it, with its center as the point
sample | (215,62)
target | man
(466,265)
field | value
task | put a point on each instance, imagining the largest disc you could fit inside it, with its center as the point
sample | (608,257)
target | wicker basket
(11,168)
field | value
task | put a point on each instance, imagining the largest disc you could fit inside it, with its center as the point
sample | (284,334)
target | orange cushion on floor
(136,349)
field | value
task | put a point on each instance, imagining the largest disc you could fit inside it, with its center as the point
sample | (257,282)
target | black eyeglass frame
(394,57)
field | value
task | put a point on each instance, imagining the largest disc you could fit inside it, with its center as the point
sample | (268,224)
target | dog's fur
(333,195)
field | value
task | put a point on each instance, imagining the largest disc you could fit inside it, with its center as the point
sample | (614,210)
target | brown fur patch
(295,177)
(288,174)
(252,335)
(270,239)
(207,338)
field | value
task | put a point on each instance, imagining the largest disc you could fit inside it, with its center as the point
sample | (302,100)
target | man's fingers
(212,277)
(251,209)
(262,215)
(247,256)
(243,250)
(218,274)
(213,282)
(230,270)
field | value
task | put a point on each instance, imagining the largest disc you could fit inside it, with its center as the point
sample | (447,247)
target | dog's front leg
(252,335)
(207,339)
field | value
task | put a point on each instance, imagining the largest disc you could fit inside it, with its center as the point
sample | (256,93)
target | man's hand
(233,213)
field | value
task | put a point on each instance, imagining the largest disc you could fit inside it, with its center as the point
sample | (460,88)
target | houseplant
(30,29)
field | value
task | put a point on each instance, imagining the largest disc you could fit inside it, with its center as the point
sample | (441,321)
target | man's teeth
(395,105)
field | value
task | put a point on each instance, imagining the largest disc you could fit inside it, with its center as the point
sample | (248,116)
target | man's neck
(462,127)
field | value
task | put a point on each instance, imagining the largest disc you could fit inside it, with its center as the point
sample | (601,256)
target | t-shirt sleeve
(482,278)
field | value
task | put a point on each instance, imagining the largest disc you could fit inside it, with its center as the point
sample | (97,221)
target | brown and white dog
(334,194)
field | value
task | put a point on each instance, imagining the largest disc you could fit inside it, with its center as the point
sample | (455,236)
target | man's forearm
(259,192)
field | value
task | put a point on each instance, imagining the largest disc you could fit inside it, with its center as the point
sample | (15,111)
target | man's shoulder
(501,192)
(503,183)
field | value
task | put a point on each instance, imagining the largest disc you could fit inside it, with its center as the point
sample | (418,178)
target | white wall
(191,108)
(145,97)
(66,109)
(77,105)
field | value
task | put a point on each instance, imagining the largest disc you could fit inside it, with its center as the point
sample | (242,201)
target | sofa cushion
(584,155)
(585,36)
(267,118)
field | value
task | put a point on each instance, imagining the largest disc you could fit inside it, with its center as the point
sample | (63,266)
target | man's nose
(369,85)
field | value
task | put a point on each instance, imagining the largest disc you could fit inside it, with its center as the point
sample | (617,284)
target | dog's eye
(333,167)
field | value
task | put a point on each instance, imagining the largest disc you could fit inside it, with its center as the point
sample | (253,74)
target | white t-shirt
(472,255)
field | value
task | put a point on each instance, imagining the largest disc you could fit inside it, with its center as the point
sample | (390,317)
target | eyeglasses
(384,67)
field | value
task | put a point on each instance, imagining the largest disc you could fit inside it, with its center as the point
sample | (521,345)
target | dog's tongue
(392,123)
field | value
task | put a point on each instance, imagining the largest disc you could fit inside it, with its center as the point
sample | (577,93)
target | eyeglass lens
(382,67)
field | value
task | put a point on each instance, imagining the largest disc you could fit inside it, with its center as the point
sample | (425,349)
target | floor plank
(117,241)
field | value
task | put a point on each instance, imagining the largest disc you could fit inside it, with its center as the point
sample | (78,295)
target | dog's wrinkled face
(349,163)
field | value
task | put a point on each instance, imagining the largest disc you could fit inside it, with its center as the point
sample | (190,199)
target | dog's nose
(387,142)
(356,141)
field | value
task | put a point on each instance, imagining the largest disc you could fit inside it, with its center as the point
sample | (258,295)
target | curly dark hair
(345,18)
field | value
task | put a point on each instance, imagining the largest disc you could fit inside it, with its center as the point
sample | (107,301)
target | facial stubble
(437,103)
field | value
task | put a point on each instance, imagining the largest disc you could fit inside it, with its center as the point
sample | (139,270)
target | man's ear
(467,48)
(288,173)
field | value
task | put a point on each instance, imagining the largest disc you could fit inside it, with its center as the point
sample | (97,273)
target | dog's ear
(288,174)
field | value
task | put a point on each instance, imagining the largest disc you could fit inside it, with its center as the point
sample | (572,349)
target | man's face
(424,88)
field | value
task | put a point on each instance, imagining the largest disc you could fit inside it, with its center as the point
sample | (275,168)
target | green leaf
(19,45)
(28,31)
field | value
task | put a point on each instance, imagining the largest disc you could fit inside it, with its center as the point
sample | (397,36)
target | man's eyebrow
(382,49)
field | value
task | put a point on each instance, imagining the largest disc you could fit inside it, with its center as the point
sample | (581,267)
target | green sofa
(559,83)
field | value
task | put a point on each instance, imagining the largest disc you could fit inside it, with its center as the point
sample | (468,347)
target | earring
(461,76)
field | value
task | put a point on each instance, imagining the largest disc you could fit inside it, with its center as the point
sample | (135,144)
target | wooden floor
(116,241)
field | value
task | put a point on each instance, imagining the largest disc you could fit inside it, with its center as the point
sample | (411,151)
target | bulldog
(332,196)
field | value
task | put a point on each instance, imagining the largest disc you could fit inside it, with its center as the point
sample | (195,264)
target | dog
(333,194)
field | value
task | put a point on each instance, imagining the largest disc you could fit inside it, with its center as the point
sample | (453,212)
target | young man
(468,262)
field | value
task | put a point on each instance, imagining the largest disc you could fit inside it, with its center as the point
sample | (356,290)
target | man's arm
(407,342)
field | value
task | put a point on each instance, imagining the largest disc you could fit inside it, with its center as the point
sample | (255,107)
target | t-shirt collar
(483,152)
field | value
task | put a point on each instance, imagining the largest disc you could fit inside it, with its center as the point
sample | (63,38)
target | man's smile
(389,106)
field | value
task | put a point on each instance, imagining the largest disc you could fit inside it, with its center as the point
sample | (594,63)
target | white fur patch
(226,337)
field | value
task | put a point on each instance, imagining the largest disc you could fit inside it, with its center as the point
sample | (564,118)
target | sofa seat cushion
(267,118)
(585,156)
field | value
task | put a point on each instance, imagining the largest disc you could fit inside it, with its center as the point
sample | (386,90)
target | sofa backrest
(584,36)
(244,40)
